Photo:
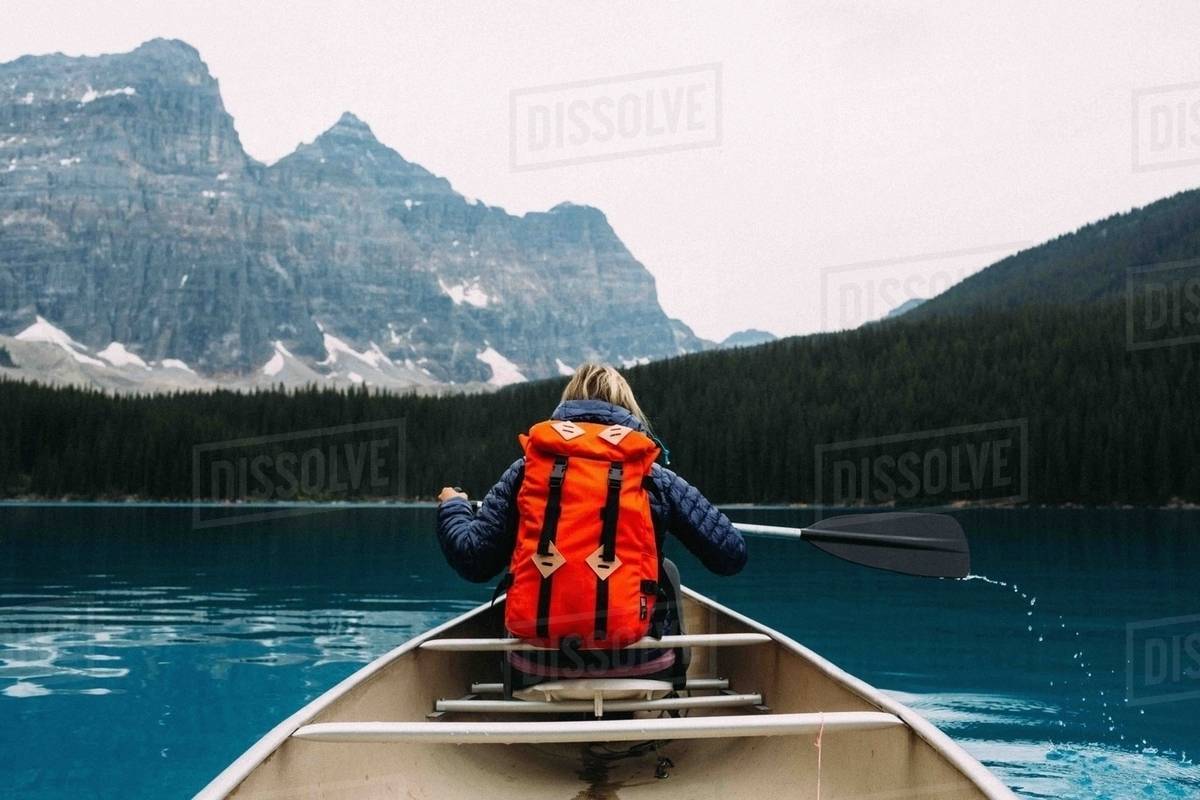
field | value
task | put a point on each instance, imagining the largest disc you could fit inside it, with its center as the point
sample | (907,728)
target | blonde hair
(602,382)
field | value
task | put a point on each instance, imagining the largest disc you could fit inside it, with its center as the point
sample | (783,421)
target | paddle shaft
(930,545)
(848,537)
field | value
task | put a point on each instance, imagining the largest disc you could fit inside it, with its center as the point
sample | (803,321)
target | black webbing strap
(612,508)
(608,540)
(601,608)
(553,505)
(549,530)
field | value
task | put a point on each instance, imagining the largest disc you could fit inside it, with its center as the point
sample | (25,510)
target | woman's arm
(700,525)
(479,545)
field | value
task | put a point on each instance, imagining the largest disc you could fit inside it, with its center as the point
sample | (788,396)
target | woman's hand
(451,491)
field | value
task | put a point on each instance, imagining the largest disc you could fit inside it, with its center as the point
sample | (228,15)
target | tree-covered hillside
(1089,265)
(1045,404)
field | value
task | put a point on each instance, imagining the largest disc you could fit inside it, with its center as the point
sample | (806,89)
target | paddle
(932,545)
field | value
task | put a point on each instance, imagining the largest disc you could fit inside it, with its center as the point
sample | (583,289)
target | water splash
(983,578)
(1092,697)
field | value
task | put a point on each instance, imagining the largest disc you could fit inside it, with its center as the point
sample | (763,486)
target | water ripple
(1041,769)
(53,643)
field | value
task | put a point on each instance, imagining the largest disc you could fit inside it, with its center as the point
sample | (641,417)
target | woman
(480,545)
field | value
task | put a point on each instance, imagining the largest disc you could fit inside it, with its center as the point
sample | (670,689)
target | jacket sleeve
(478,545)
(699,525)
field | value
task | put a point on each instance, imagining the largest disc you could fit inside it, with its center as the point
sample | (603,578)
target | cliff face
(130,213)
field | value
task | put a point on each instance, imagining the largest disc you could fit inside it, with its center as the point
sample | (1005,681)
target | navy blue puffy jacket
(479,545)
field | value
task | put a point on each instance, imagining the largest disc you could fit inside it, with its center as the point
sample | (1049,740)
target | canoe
(762,716)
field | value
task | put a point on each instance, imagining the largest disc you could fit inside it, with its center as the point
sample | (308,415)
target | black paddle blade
(932,545)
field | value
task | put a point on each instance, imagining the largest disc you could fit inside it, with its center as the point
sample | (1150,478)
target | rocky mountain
(748,338)
(132,221)
(905,307)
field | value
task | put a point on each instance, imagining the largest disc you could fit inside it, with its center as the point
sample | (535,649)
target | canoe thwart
(623,730)
(648,643)
(583,706)
(438,714)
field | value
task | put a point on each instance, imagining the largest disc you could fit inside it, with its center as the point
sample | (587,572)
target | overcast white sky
(870,132)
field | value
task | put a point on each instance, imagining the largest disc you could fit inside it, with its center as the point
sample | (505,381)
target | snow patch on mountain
(43,355)
(117,355)
(376,357)
(43,331)
(335,347)
(504,372)
(563,368)
(275,365)
(470,293)
(91,95)
(175,363)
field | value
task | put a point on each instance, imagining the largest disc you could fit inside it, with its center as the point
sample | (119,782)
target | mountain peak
(578,211)
(567,206)
(748,338)
(169,49)
(349,126)
(350,119)
(348,153)
(905,307)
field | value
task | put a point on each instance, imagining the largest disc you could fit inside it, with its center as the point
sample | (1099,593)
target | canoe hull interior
(904,761)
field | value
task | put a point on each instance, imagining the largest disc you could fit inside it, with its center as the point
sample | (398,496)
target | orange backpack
(585,564)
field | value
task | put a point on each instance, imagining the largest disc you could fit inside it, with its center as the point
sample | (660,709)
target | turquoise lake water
(139,655)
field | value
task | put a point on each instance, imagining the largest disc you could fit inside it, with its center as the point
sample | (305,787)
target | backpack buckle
(558,472)
(615,473)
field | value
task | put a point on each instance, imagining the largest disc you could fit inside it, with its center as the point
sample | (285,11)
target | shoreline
(141,502)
